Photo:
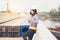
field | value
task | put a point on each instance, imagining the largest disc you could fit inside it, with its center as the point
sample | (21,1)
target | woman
(33,25)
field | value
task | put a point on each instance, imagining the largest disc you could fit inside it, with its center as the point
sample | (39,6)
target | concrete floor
(8,38)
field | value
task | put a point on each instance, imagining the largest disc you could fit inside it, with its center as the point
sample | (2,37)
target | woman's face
(32,12)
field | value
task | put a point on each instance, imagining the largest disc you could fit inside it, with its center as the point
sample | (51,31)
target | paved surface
(7,38)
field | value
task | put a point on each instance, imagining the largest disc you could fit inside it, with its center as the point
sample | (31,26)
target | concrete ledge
(12,38)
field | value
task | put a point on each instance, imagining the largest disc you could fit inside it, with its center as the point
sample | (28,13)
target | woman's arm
(35,19)
(31,27)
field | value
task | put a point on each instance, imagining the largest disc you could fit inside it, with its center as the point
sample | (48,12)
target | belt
(33,28)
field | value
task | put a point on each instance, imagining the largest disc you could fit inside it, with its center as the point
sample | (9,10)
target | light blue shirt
(35,18)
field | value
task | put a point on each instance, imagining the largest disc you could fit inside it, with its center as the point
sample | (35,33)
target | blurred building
(10,23)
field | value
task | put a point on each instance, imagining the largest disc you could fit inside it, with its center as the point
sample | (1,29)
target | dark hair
(35,12)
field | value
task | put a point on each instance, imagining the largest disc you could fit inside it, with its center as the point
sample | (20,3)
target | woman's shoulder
(35,16)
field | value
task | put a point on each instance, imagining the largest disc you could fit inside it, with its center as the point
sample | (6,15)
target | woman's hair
(35,12)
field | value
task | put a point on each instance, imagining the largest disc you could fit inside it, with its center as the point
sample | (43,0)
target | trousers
(28,34)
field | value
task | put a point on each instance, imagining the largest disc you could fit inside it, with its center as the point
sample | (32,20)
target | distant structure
(8,10)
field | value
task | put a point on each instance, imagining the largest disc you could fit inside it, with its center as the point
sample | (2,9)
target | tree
(55,15)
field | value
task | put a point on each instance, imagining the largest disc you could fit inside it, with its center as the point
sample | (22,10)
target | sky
(26,5)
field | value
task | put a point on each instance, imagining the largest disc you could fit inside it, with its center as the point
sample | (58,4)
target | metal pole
(7,5)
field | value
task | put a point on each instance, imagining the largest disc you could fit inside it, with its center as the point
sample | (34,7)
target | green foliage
(55,15)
